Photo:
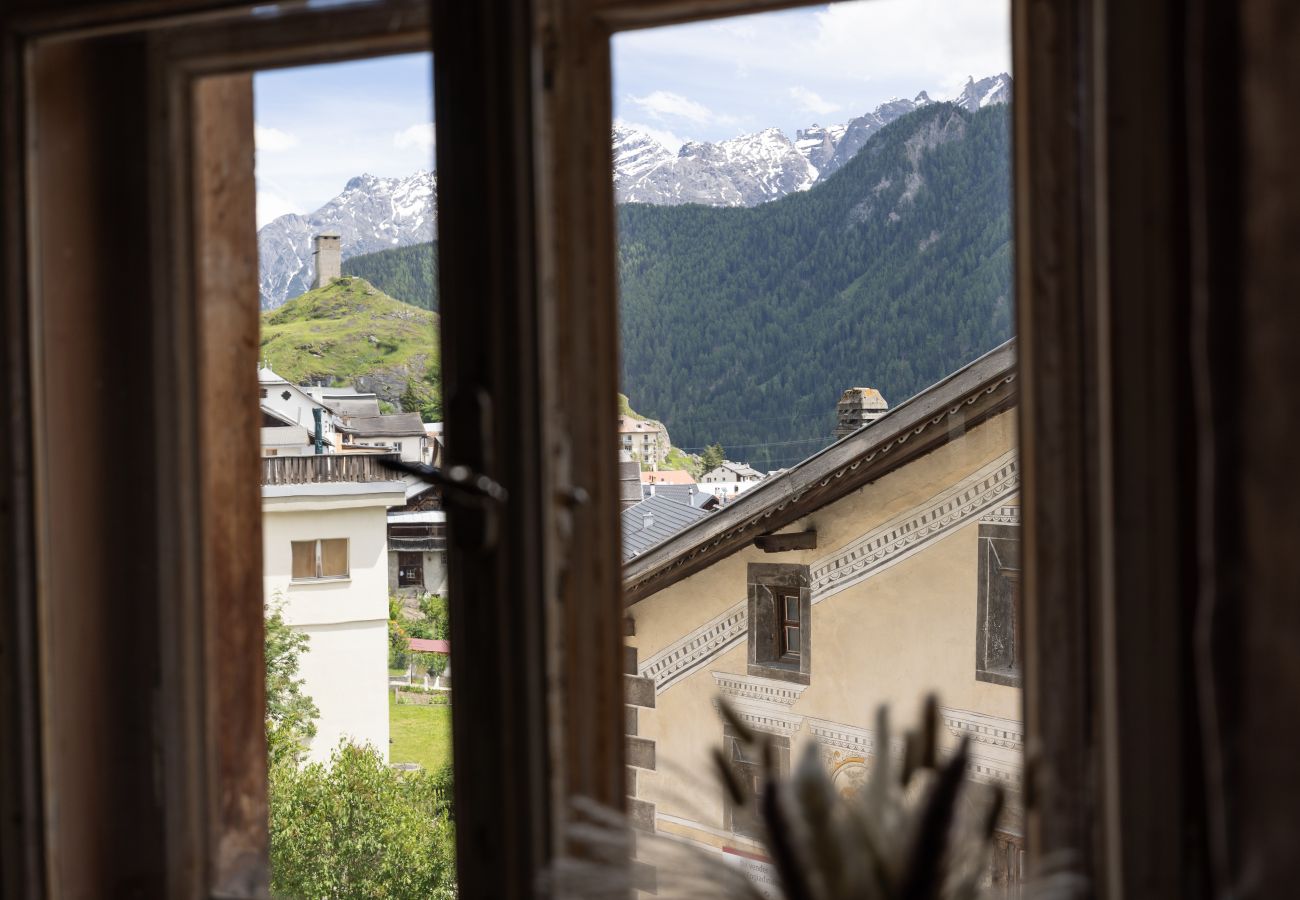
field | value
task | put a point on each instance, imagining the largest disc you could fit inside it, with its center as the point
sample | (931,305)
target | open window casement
(1152,269)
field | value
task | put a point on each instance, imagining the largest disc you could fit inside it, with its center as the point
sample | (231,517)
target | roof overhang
(934,417)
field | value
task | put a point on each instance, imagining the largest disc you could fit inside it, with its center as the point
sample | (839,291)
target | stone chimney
(327,258)
(858,406)
(629,480)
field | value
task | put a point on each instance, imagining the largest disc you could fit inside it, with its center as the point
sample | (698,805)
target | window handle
(459,480)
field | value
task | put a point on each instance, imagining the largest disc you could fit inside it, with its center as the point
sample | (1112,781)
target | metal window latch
(458,480)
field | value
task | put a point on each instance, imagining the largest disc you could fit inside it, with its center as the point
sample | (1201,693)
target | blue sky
(317,127)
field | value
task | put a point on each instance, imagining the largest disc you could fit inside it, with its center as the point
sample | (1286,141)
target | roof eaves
(861,457)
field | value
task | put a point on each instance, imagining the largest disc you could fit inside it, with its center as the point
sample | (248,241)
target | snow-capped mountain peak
(375,213)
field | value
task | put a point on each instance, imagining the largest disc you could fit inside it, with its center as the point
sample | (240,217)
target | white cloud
(667,105)
(273,140)
(854,55)
(419,135)
(812,102)
(272,204)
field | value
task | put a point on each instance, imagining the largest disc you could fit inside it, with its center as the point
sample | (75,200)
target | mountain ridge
(373,213)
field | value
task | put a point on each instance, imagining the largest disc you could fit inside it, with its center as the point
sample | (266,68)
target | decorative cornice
(764,717)
(992,731)
(1002,515)
(906,534)
(978,391)
(683,657)
(757,689)
(857,741)
(891,543)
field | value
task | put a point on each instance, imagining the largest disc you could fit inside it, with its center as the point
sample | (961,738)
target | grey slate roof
(398,425)
(682,493)
(353,407)
(666,517)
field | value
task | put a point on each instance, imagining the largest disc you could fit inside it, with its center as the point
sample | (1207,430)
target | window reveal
(997,627)
(780,621)
(326,558)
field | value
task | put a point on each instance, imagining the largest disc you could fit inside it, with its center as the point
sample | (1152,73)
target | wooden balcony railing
(327,467)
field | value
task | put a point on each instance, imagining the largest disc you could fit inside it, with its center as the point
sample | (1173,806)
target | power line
(730,447)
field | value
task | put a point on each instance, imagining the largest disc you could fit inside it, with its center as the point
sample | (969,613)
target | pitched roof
(427,645)
(653,521)
(682,493)
(667,476)
(398,425)
(941,413)
(743,469)
(629,425)
(363,406)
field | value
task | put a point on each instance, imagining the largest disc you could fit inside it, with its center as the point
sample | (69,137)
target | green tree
(399,637)
(290,713)
(356,829)
(712,457)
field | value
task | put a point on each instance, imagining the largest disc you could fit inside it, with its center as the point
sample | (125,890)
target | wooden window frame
(1118,177)
(320,561)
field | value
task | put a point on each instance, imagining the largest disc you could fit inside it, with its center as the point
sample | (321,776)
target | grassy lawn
(421,734)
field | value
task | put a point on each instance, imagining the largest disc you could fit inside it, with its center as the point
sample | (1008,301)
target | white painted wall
(726,490)
(346,664)
(291,440)
(411,447)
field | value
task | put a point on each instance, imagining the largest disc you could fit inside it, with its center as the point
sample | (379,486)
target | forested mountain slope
(743,326)
(409,274)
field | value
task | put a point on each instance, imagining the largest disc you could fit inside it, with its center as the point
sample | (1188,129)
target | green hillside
(409,274)
(359,336)
(743,326)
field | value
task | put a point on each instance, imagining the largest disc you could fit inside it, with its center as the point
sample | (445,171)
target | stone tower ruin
(327,258)
(857,407)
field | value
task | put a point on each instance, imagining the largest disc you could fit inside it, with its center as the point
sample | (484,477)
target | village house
(400,433)
(729,479)
(417,543)
(289,418)
(645,438)
(865,575)
(325,559)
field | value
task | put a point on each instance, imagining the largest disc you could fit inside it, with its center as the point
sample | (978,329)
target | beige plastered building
(911,588)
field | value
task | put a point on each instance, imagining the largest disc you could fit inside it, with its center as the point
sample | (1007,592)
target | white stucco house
(325,556)
(730,479)
(288,420)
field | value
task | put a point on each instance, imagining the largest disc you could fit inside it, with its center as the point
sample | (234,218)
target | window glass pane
(304,559)
(813,213)
(334,557)
(348,248)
